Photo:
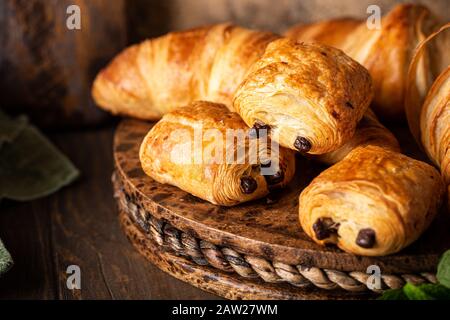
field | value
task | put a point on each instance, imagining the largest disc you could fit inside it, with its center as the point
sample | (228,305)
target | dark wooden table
(79,226)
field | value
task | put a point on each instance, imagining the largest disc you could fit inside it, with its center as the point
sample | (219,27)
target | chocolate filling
(324,228)
(366,238)
(302,144)
(275,178)
(248,185)
(259,129)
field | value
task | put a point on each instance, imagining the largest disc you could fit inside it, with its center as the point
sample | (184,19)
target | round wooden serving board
(254,250)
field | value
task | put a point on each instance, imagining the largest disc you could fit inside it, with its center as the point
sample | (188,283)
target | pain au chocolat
(374,202)
(190,148)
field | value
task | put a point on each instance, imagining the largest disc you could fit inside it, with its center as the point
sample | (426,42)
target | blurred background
(47,70)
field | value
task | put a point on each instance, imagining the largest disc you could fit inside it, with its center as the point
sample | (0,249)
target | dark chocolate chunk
(259,129)
(302,144)
(248,185)
(366,238)
(321,230)
(349,104)
(275,178)
(324,228)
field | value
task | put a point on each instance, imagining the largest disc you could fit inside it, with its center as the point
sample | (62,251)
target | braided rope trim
(228,260)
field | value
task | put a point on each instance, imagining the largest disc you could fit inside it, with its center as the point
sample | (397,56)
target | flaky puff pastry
(374,202)
(386,52)
(189,148)
(311,96)
(158,75)
(430,59)
(428,98)
(435,123)
(332,32)
(369,131)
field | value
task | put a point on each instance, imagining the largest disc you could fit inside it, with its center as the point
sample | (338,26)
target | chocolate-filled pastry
(374,202)
(208,151)
(310,95)
(158,75)
(386,51)
(369,131)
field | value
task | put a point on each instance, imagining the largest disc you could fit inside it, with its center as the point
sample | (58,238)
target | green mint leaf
(443,270)
(31,167)
(436,291)
(415,293)
(6,261)
(393,294)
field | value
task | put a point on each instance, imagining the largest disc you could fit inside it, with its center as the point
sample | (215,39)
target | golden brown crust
(390,198)
(429,61)
(427,98)
(330,32)
(386,52)
(302,90)
(369,131)
(435,123)
(187,148)
(156,76)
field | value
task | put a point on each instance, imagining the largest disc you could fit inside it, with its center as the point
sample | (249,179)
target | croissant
(374,202)
(193,148)
(369,131)
(427,101)
(435,123)
(309,96)
(385,52)
(330,32)
(329,92)
(148,80)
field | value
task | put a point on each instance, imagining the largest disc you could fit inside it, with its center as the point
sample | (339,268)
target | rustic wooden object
(261,239)
(46,69)
(79,225)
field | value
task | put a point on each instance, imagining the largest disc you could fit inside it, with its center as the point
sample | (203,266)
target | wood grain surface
(264,228)
(79,225)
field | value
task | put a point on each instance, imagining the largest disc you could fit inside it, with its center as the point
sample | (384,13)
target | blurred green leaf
(437,291)
(30,166)
(415,293)
(443,270)
(393,294)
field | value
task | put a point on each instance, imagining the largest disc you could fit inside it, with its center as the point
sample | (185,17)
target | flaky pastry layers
(158,75)
(310,96)
(374,202)
(188,148)
(369,131)
(386,52)
(427,101)
(435,123)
